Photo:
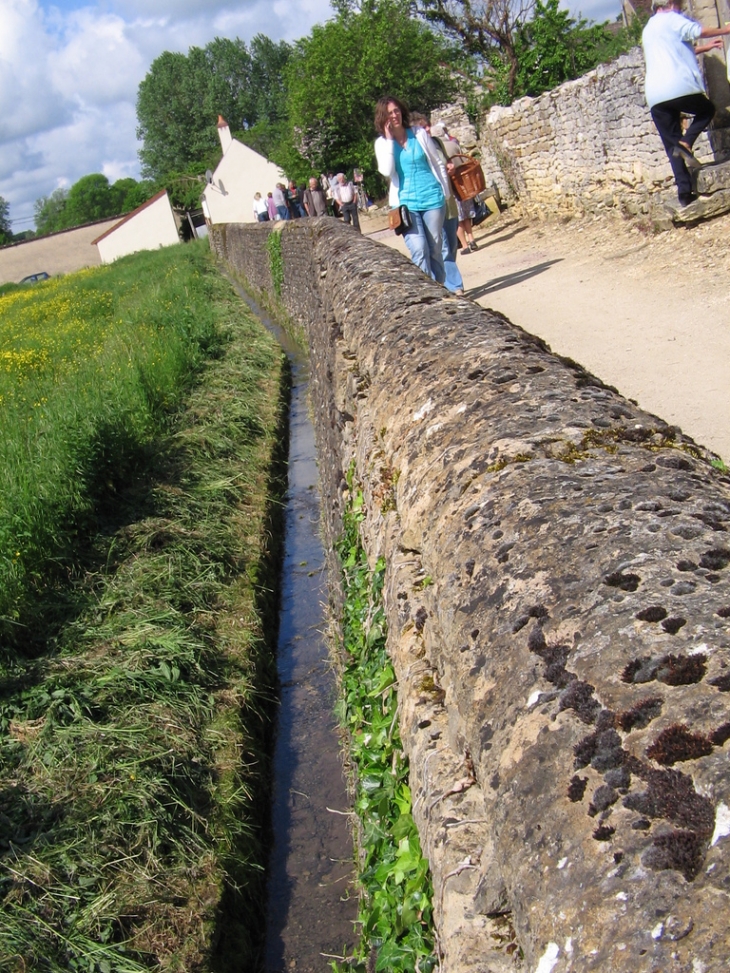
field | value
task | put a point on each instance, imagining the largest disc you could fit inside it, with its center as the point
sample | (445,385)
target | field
(140,485)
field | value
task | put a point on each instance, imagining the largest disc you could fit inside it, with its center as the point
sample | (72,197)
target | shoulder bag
(399,220)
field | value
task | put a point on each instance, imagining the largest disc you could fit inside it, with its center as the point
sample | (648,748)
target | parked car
(34,278)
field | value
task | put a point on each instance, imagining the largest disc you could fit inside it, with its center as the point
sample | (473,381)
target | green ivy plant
(395,911)
(276,260)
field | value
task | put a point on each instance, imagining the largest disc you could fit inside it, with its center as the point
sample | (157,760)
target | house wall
(557,590)
(59,253)
(151,227)
(240,173)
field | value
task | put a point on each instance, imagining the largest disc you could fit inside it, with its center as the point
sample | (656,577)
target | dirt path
(647,314)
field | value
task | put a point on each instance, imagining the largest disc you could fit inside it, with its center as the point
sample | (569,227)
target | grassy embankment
(142,417)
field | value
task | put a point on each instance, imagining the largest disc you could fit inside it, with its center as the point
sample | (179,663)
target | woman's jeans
(425,241)
(283,212)
(450,246)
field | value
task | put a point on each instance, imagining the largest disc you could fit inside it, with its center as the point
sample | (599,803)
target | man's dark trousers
(667,115)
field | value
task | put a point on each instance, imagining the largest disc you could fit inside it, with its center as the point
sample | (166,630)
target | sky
(70,69)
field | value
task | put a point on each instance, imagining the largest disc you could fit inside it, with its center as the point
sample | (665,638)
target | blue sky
(70,69)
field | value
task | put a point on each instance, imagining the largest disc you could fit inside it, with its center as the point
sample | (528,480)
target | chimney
(224,133)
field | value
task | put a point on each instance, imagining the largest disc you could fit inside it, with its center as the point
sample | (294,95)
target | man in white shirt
(674,85)
(346,196)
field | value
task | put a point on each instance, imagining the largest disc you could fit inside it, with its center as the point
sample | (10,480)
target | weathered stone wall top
(558,598)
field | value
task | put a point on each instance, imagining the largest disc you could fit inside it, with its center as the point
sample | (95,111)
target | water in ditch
(310,906)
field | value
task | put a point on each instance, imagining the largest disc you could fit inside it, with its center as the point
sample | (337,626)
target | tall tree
(338,73)
(553,47)
(266,81)
(89,199)
(173,128)
(487,29)
(6,234)
(49,212)
(179,100)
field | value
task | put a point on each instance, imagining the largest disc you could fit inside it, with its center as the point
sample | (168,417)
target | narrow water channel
(310,908)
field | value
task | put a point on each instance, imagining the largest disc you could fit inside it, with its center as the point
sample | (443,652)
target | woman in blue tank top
(409,158)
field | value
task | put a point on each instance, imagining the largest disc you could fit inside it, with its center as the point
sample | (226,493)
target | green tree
(267,80)
(127,194)
(89,199)
(50,212)
(173,126)
(487,29)
(526,46)
(552,48)
(6,234)
(119,191)
(179,100)
(337,74)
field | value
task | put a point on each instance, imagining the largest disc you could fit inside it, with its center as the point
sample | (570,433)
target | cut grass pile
(136,682)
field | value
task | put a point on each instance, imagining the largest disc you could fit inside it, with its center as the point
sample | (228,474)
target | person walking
(346,196)
(279,197)
(409,158)
(453,281)
(260,209)
(294,201)
(674,86)
(315,200)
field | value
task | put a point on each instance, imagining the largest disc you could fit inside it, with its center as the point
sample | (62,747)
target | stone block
(702,208)
(711,179)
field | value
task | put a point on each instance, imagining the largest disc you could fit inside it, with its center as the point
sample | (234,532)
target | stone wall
(586,146)
(558,596)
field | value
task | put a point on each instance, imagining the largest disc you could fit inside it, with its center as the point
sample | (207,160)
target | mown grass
(137,672)
(91,366)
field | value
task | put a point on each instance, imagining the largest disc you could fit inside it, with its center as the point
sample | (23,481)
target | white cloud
(70,69)
(27,102)
(98,62)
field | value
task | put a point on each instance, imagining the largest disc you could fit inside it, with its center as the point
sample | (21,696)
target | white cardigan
(386,163)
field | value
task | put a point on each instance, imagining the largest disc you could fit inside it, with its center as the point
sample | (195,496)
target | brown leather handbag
(399,220)
(467,179)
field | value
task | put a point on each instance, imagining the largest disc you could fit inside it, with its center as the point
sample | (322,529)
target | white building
(241,173)
(148,227)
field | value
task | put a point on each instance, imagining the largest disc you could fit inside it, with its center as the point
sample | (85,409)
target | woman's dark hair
(381,112)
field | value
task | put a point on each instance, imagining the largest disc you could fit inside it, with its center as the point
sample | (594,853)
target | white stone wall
(587,145)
